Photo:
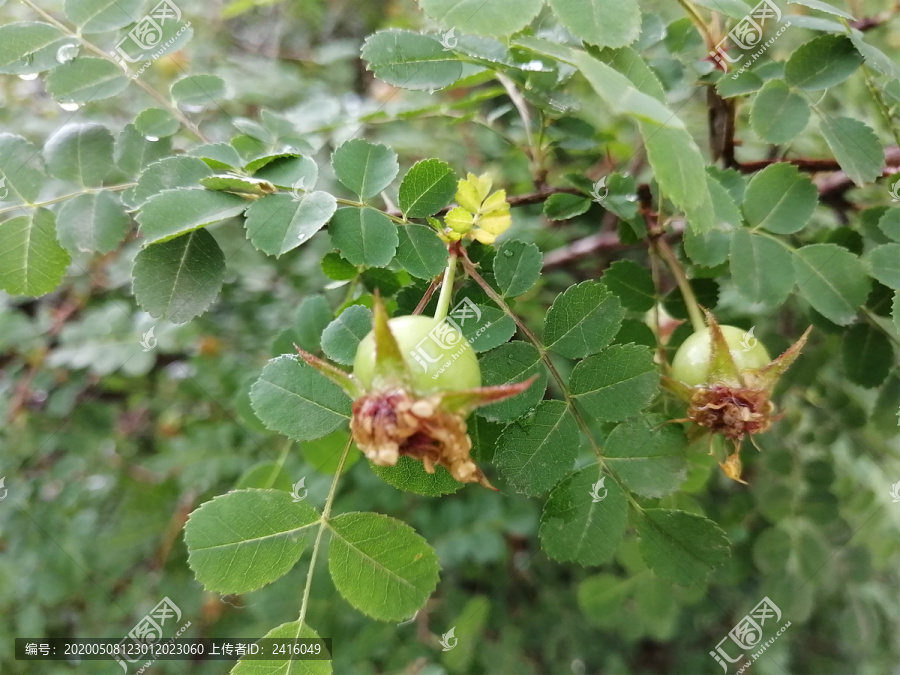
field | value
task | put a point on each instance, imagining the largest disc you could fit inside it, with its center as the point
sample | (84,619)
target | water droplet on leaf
(152,139)
(69,107)
(67,52)
(533,65)
(508,254)
(28,76)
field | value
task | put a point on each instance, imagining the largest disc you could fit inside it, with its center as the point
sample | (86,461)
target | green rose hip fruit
(692,364)
(437,355)
(726,377)
(415,380)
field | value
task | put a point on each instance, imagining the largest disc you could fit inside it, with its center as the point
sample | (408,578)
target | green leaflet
(616,383)
(179,278)
(582,320)
(681,547)
(292,398)
(584,519)
(517,266)
(380,565)
(536,451)
(245,539)
(31,260)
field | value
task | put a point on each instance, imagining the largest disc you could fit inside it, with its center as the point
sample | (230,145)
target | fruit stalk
(443,305)
(690,300)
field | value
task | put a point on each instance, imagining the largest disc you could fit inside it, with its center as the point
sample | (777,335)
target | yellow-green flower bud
(497,221)
(495,202)
(460,220)
(467,194)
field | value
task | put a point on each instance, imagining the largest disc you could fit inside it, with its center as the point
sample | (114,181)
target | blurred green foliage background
(105,448)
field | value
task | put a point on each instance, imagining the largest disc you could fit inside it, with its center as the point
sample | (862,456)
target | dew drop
(69,107)
(28,76)
(533,65)
(67,52)
(152,139)
(508,254)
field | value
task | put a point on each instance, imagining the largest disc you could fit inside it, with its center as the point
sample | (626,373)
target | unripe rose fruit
(692,360)
(409,331)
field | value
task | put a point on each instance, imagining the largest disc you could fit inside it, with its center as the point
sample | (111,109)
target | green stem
(873,319)
(90,46)
(535,153)
(56,200)
(323,521)
(443,305)
(282,458)
(698,21)
(660,348)
(363,205)
(881,104)
(351,289)
(690,300)
(554,373)
(279,465)
(876,95)
(787,247)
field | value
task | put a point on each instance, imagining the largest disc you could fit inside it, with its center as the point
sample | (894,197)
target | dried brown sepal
(388,424)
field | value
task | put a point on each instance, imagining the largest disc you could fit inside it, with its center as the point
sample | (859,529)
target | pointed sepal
(467,400)
(390,367)
(722,368)
(732,467)
(677,388)
(767,376)
(342,379)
